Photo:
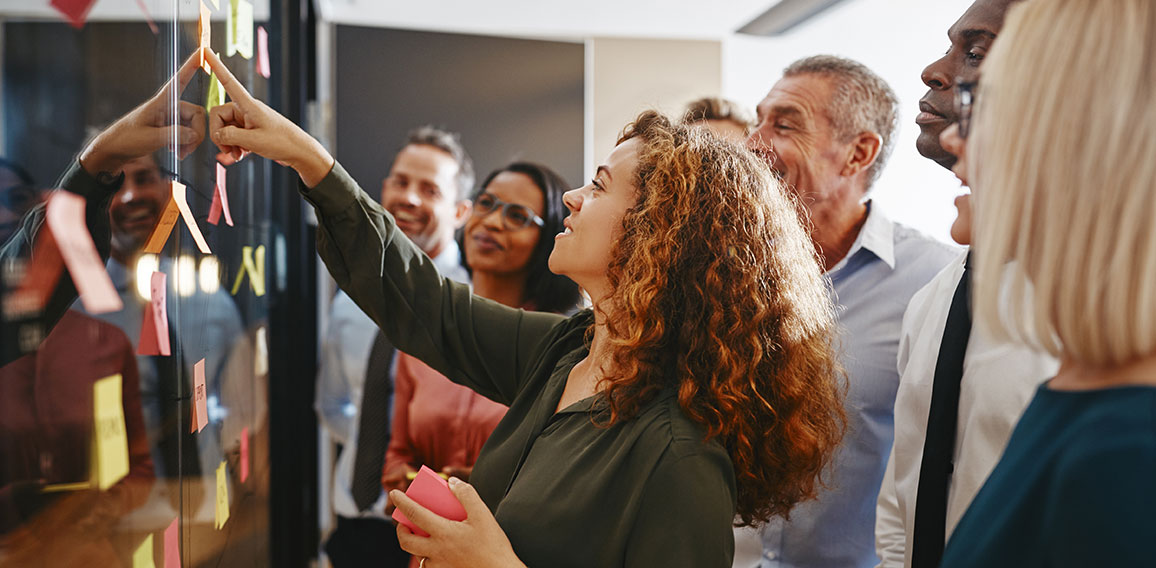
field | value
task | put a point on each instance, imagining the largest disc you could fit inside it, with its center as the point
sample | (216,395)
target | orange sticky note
(244,454)
(75,11)
(39,280)
(200,400)
(164,227)
(263,52)
(154,326)
(187,215)
(433,493)
(220,199)
(205,32)
(173,545)
(254,266)
(65,215)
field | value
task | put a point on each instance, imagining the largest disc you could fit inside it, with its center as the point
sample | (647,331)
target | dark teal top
(645,492)
(1075,487)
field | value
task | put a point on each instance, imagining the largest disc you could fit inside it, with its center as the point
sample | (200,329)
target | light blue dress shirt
(871,287)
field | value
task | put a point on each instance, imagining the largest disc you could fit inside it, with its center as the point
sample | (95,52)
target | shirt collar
(877,236)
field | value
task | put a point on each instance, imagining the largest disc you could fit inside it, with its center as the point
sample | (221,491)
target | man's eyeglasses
(965,94)
(514,216)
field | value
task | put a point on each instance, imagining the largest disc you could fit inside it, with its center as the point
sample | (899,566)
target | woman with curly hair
(702,384)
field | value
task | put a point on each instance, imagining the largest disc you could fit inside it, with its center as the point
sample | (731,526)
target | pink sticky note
(433,493)
(154,326)
(220,199)
(173,545)
(263,51)
(187,215)
(200,404)
(75,11)
(244,454)
(65,217)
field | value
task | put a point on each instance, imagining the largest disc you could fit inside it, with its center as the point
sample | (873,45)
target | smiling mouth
(487,242)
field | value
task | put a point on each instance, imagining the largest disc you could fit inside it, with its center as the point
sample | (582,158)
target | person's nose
(937,75)
(492,220)
(762,146)
(573,199)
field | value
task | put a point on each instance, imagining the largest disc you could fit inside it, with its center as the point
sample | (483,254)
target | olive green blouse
(645,492)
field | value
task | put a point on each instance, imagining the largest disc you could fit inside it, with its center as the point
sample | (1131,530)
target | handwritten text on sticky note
(110,441)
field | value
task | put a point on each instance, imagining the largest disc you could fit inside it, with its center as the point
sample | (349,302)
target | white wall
(896,39)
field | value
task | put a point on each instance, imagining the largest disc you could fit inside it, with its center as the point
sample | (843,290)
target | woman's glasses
(965,93)
(514,216)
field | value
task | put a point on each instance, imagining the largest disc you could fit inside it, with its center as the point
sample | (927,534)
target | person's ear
(864,150)
(462,212)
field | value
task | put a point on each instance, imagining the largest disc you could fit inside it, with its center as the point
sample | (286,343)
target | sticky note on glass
(433,493)
(164,227)
(239,38)
(143,556)
(263,52)
(75,11)
(40,275)
(110,442)
(261,355)
(220,199)
(173,545)
(253,264)
(200,398)
(244,454)
(216,96)
(154,325)
(66,217)
(222,514)
(187,215)
(205,32)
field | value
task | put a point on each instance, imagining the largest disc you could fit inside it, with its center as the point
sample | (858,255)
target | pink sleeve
(400,452)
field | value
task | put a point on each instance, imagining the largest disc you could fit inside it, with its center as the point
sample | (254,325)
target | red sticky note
(244,454)
(205,32)
(75,11)
(173,545)
(200,404)
(154,326)
(66,218)
(433,493)
(263,52)
(220,199)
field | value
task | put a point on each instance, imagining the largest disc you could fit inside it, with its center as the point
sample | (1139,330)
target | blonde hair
(1064,165)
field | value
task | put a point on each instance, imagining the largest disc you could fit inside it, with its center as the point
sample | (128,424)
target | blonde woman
(1063,163)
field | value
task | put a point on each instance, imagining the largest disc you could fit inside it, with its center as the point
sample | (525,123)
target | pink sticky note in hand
(66,219)
(154,326)
(220,199)
(263,52)
(433,493)
(173,545)
(200,402)
(244,454)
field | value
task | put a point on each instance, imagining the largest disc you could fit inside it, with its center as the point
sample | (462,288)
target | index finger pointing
(230,83)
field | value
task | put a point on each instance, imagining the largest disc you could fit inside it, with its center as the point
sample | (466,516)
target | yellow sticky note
(253,264)
(240,29)
(143,557)
(204,30)
(110,442)
(216,94)
(222,515)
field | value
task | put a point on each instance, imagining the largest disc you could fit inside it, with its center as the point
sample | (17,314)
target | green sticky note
(110,442)
(216,93)
(222,515)
(239,38)
(143,557)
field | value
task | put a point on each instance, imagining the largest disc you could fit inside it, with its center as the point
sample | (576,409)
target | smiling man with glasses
(960,390)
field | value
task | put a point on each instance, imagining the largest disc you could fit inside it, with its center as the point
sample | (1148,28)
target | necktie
(373,428)
(942,419)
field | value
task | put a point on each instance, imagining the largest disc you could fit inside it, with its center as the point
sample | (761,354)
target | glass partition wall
(135,425)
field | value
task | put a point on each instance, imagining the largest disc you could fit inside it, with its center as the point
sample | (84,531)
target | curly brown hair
(718,293)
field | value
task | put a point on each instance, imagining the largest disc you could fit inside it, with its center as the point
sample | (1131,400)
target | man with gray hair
(426,191)
(826,128)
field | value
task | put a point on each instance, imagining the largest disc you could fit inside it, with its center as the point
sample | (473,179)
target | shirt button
(770,554)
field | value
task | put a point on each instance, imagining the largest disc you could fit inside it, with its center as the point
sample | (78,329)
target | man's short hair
(450,143)
(861,102)
(717,108)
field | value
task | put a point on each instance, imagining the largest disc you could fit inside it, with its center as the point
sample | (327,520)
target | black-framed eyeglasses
(514,216)
(965,95)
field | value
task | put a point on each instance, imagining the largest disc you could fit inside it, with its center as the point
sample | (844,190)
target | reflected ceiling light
(185,274)
(146,265)
(785,15)
(209,275)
